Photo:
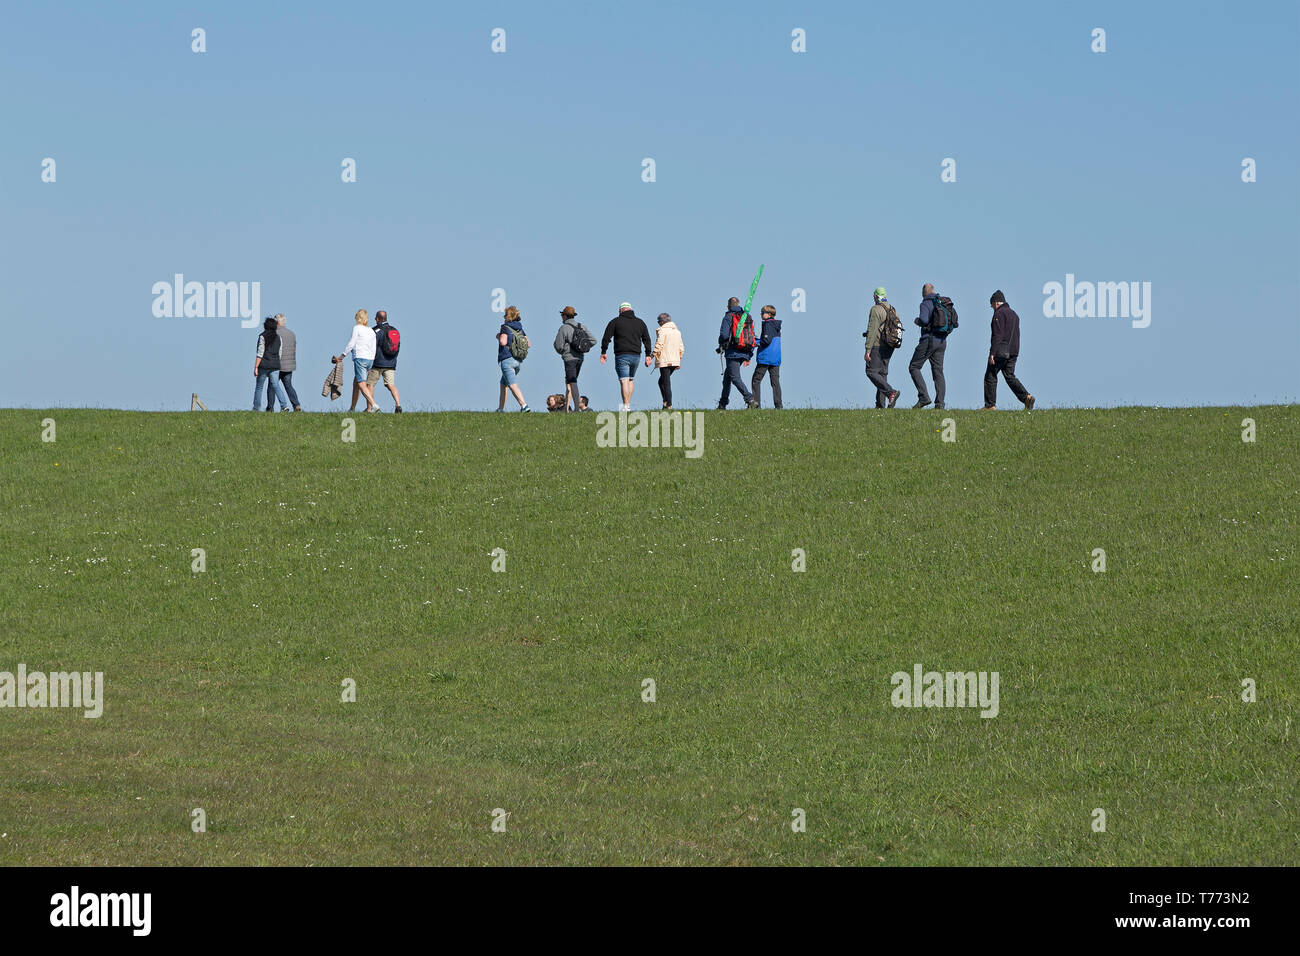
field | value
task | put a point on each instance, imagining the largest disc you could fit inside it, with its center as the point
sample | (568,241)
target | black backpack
(943,318)
(582,341)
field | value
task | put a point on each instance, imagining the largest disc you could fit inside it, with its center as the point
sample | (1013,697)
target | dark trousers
(1006,364)
(878,373)
(732,377)
(666,382)
(929,349)
(286,379)
(571,369)
(757,384)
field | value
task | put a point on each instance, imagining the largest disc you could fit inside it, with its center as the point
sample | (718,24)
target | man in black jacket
(629,335)
(1004,349)
(385,365)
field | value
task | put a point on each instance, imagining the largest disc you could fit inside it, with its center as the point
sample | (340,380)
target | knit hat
(625,307)
(997,297)
(880,292)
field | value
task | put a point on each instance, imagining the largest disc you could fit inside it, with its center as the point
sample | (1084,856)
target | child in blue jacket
(769,356)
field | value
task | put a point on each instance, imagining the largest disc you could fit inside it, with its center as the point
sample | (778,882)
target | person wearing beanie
(768,357)
(1004,349)
(668,353)
(878,353)
(629,335)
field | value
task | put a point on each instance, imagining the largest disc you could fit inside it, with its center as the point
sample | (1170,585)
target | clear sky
(522,170)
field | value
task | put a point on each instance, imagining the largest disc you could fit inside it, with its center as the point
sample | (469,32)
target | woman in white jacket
(362,347)
(668,356)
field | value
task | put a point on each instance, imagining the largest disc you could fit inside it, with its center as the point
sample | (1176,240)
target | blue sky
(522,170)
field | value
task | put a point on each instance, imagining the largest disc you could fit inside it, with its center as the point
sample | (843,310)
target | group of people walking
(374,352)
(629,337)
(937,319)
(374,359)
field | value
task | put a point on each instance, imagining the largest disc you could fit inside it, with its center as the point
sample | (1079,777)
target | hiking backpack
(891,329)
(389,341)
(519,344)
(943,318)
(582,341)
(742,332)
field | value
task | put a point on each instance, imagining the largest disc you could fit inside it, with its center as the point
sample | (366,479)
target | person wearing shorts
(630,336)
(362,348)
(572,359)
(508,364)
(385,366)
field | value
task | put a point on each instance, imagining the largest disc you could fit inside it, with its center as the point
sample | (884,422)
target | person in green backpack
(512,348)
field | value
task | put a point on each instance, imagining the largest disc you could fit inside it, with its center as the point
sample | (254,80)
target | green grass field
(522,690)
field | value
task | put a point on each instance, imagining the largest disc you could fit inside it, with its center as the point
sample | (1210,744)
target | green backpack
(519,344)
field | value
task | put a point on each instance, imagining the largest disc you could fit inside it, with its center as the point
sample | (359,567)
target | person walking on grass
(629,335)
(288,363)
(879,351)
(572,343)
(512,349)
(736,343)
(768,357)
(668,353)
(931,348)
(362,348)
(1004,350)
(387,343)
(266,367)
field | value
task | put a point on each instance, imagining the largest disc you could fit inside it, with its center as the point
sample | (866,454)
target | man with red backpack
(736,342)
(387,342)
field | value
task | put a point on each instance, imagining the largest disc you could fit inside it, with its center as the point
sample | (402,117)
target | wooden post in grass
(196,402)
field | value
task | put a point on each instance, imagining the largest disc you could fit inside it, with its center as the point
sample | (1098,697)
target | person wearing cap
(669,350)
(629,335)
(735,356)
(1004,349)
(768,357)
(266,366)
(385,366)
(929,349)
(572,360)
(878,353)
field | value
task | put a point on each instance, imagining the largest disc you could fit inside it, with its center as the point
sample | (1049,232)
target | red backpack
(390,340)
(742,332)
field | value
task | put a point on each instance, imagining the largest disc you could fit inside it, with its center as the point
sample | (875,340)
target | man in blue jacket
(768,358)
(735,356)
(930,349)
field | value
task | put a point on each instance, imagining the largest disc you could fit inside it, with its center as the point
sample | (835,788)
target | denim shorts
(361,367)
(627,363)
(509,370)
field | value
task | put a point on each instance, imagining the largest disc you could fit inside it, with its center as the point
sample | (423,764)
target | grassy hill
(522,690)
